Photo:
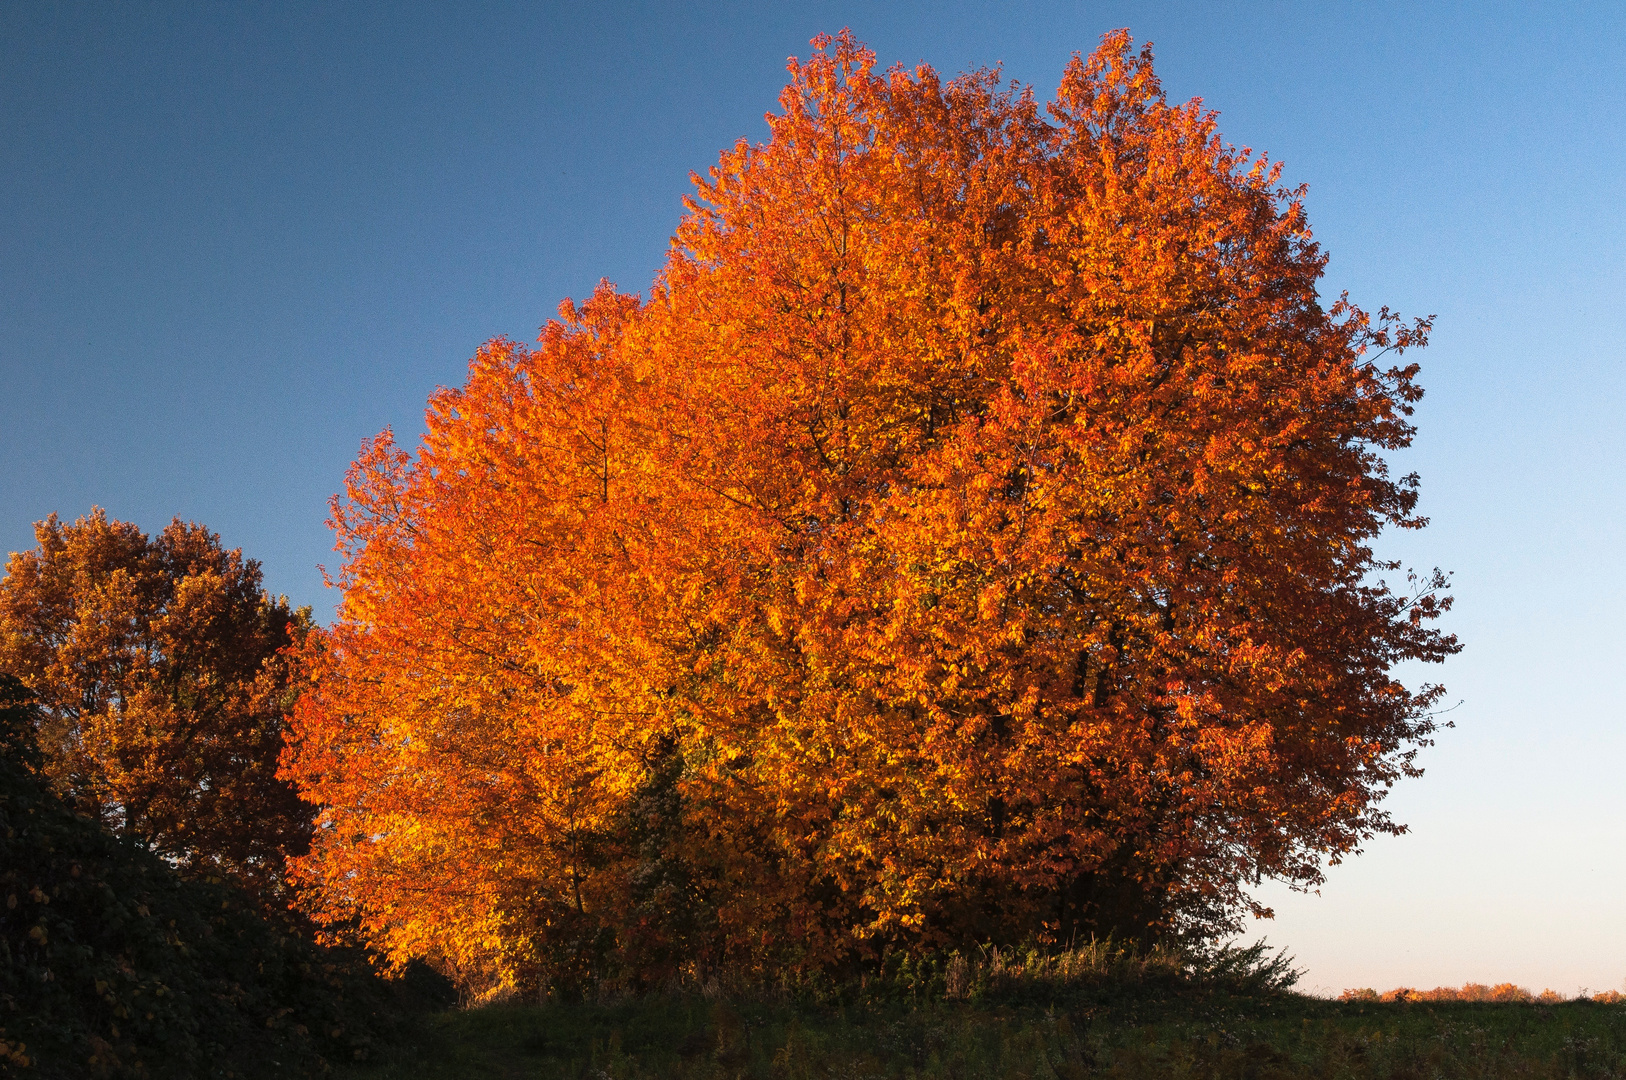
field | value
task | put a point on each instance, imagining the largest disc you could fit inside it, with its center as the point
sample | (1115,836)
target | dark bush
(112,964)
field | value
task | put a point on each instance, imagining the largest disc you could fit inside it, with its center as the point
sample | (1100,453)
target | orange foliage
(1501,992)
(163,684)
(967,540)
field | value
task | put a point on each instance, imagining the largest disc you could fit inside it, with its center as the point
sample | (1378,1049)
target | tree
(163,673)
(969,539)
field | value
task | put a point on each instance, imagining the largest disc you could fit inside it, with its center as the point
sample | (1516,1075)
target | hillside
(112,965)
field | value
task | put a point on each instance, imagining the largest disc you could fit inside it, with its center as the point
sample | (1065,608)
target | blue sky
(235,240)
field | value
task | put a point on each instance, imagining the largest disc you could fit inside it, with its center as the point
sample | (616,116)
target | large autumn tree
(162,672)
(968,539)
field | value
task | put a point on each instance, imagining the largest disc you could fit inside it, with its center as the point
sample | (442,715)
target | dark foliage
(111,964)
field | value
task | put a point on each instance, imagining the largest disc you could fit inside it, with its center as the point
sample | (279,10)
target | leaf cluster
(162,672)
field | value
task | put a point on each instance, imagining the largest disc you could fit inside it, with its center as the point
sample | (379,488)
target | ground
(1259,1038)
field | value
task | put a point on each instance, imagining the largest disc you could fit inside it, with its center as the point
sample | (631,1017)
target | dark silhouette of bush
(111,964)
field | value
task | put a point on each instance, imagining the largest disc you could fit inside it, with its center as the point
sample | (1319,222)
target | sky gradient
(239,239)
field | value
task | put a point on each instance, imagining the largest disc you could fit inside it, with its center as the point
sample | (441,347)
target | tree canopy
(162,673)
(968,539)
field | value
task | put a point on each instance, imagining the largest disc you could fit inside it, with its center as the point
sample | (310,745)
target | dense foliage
(113,965)
(162,670)
(968,540)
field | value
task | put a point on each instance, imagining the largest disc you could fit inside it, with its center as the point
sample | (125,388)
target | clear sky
(237,239)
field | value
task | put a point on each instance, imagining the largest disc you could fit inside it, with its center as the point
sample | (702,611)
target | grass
(1194,1034)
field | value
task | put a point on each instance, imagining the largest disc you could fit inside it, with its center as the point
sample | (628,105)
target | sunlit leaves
(163,675)
(968,538)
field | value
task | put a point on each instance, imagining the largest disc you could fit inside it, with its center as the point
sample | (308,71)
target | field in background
(1279,1037)
(1094,1012)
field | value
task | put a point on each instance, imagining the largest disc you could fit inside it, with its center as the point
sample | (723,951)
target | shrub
(112,965)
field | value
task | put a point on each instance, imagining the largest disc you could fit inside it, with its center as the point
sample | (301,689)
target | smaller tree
(162,683)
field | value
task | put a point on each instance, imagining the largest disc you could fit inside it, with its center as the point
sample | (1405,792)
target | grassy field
(1208,1036)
